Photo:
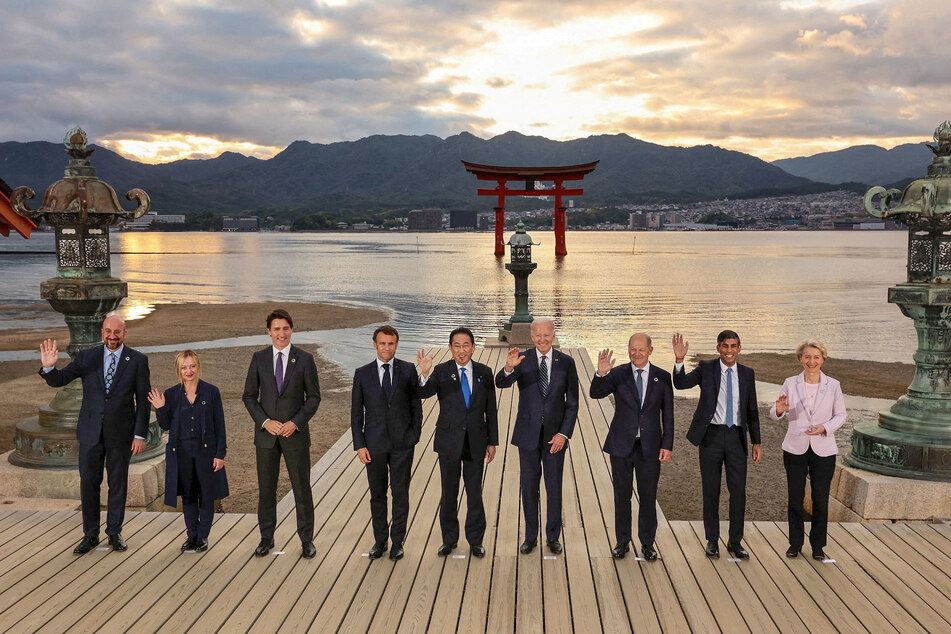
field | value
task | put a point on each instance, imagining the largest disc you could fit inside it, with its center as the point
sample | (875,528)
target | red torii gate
(557,174)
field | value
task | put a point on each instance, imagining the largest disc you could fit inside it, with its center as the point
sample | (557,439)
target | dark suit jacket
(123,414)
(707,376)
(297,402)
(480,419)
(559,409)
(655,418)
(212,442)
(380,425)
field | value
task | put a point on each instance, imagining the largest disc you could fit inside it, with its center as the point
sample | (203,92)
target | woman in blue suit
(193,415)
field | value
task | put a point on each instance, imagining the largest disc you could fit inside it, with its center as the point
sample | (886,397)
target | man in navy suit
(113,423)
(640,438)
(547,410)
(725,414)
(386,417)
(467,431)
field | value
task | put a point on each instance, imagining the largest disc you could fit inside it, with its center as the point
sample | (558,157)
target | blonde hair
(180,358)
(809,343)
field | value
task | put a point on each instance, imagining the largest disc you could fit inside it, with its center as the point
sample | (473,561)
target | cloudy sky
(165,79)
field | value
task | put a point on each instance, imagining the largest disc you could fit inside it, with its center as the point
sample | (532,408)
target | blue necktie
(729,397)
(543,382)
(110,371)
(465,386)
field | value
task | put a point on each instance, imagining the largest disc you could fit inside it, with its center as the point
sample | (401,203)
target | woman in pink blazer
(816,409)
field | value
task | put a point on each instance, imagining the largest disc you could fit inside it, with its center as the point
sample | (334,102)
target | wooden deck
(886,577)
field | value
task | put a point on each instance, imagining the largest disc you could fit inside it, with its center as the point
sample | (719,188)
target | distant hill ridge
(401,172)
(869,164)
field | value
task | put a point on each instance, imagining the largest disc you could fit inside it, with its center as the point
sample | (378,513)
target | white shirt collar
(379,364)
(467,366)
(118,353)
(286,350)
(646,368)
(724,367)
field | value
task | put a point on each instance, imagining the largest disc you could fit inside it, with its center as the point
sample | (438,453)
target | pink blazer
(829,410)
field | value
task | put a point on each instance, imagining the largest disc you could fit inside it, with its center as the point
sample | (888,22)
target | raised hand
(49,353)
(605,361)
(513,359)
(680,347)
(157,399)
(782,405)
(425,362)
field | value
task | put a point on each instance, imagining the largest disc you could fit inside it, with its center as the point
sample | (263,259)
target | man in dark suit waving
(282,394)
(467,431)
(386,417)
(547,410)
(113,422)
(725,414)
(640,438)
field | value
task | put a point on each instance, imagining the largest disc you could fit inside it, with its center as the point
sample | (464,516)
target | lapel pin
(127,358)
(294,360)
(655,379)
(452,376)
(203,402)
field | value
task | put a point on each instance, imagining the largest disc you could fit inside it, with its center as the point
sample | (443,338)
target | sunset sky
(167,79)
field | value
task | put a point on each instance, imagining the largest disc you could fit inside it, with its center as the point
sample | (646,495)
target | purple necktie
(279,372)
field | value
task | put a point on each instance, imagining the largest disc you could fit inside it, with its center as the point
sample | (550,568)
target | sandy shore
(21,391)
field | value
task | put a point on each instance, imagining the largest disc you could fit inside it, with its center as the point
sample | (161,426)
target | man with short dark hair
(725,414)
(386,417)
(113,422)
(282,393)
(467,431)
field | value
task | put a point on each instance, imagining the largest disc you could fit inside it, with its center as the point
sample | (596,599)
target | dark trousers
(297,460)
(820,470)
(394,465)
(532,464)
(92,459)
(648,473)
(198,509)
(471,470)
(723,447)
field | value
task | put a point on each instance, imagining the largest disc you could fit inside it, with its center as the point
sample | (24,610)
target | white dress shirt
(379,369)
(286,349)
(719,416)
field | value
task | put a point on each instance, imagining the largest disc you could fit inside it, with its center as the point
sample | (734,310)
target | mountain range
(397,173)
(869,164)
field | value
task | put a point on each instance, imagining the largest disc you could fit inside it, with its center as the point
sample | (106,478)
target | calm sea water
(774,288)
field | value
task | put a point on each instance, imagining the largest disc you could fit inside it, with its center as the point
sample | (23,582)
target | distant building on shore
(154,218)
(425,220)
(239,223)
(463,219)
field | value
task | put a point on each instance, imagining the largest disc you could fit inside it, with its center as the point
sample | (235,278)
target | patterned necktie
(387,384)
(639,383)
(110,371)
(279,372)
(543,376)
(729,397)
(466,392)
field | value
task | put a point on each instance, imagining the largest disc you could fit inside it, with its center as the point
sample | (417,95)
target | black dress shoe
(737,551)
(309,551)
(649,552)
(527,546)
(554,546)
(189,544)
(445,549)
(620,550)
(477,550)
(792,552)
(397,552)
(117,542)
(200,544)
(86,545)
(713,549)
(264,547)
(377,551)
(818,555)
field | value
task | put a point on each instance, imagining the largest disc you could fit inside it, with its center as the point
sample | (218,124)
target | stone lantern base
(857,495)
